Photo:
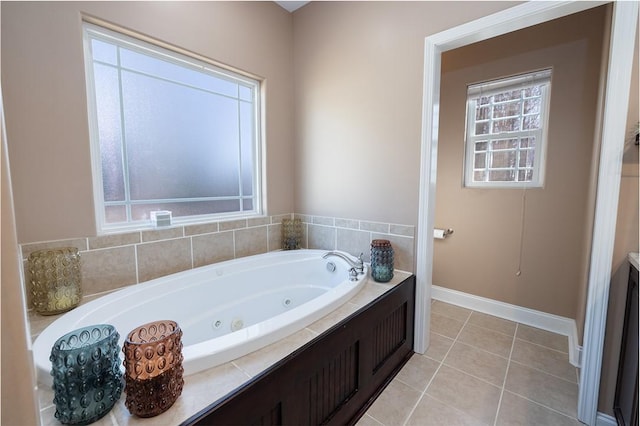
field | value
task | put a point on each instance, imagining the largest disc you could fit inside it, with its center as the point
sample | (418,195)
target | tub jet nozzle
(236,324)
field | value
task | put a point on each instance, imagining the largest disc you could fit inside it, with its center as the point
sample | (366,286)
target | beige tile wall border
(113,261)
(354,236)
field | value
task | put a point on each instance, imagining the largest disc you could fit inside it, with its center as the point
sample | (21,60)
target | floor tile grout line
(424,392)
(504,381)
(374,419)
(543,346)
(466,373)
(451,317)
(500,319)
(455,307)
(407,384)
(542,331)
(441,335)
(448,317)
(546,372)
(483,350)
(502,332)
(493,330)
(541,405)
(481,326)
(445,403)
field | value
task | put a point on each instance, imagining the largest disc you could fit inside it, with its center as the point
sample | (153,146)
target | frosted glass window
(169,132)
(506,131)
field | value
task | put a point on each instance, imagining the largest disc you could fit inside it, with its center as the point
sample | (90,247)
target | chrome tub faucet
(357,266)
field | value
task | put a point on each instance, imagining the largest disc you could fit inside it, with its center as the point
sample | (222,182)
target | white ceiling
(291,5)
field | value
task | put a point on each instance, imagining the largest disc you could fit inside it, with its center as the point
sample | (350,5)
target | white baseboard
(603,419)
(554,323)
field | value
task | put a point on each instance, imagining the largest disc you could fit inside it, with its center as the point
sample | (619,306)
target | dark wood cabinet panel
(625,404)
(334,378)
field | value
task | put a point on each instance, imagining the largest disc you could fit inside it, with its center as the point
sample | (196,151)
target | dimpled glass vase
(291,234)
(153,364)
(55,280)
(87,380)
(381,260)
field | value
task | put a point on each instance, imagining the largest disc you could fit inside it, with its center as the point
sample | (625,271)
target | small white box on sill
(161,218)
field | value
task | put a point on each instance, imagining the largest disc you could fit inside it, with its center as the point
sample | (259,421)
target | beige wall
(43,77)
(358,116)
(487,222)
(17,390)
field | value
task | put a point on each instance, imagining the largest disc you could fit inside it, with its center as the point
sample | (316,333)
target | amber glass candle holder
(153,368)
(291,234)
(87,380)
(55,280)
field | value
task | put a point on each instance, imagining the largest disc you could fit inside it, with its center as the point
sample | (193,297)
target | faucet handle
(353,274)
(361,263)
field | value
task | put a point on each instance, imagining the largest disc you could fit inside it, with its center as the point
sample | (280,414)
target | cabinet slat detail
(272,418)
(332,385)
(389,334)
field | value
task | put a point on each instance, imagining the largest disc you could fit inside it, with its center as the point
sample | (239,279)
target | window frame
(92,29)
(497,86)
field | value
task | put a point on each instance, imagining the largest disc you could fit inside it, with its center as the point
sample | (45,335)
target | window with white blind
(506,131)
(169,131)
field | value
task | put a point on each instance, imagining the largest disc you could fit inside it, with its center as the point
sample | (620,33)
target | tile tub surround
(355,236)
(206,387)
(110,262)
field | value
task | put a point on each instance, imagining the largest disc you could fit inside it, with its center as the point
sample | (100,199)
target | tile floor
(481,370)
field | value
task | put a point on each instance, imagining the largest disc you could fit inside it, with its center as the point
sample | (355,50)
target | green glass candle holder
(381,260)
(87,380)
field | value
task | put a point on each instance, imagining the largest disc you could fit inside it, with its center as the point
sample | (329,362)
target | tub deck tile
(258,361)
(197,394)
(331,319)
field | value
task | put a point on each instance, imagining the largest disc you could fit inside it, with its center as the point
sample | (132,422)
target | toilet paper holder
(441,234)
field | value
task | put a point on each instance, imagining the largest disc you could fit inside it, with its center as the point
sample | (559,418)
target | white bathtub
(262,298)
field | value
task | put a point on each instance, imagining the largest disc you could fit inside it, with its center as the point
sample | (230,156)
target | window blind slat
(494,87)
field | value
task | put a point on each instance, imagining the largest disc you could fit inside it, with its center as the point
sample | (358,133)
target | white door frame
(616,98)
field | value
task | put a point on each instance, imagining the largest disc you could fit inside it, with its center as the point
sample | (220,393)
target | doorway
(523,242)
(613,122)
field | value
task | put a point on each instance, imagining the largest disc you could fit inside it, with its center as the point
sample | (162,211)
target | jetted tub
(225,310)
